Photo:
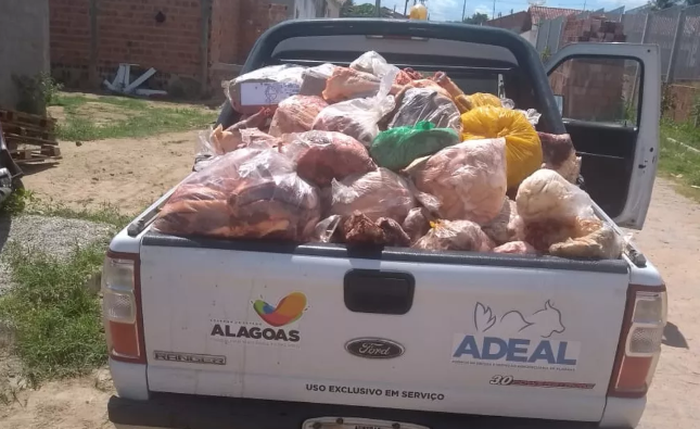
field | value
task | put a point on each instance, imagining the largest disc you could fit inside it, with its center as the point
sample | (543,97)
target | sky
(451,10)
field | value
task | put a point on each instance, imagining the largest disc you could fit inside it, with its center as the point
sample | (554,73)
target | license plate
(356,423)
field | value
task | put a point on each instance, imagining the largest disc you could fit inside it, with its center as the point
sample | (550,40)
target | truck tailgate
(473,334)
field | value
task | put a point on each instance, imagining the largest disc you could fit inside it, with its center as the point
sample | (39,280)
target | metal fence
(676,30)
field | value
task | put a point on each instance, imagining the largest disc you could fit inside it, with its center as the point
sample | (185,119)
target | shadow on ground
(673,337)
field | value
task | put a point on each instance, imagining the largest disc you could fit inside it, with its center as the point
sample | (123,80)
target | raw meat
(248,193)
(357,118)
(592,240)
(322,156)
(464,102)
(296,114)
(559,155)
(467,181)
(377,194)
(546,196)
(516,247)
(358,229)
(455,235)
(417,223)
(347,83)
(224,141)
(507,225)
(425,104)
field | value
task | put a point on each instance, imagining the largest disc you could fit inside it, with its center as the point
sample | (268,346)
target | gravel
(55,236)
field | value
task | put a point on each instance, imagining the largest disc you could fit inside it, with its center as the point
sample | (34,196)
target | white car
(316,336)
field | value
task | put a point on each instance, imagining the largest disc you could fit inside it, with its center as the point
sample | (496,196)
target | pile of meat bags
(370,155)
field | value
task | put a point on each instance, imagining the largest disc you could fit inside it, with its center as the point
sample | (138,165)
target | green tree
(351,10)
(477,19)
(663,4)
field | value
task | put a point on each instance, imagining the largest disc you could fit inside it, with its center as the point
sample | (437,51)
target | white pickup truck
(223,333)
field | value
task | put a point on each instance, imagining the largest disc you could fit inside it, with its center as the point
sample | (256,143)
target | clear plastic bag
(379,193)
(358,118)
(327,230)
(546,196)
(424,104)
(398,147)
(523,148)
(296,114)
(465,181)
(264,87)
(592,240)
(507,225)
(248,193)
(559,155)
(417,223)
(373,63)
(455,235)
(347,84)
(359,230)
(322,156)
(465,102)
(516,248)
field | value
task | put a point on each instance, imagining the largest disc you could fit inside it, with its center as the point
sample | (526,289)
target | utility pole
(464,10)
(405,8)
(493,14)
(378,6)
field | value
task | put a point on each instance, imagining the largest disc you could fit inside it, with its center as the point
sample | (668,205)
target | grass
(55,318)
(677,162)
(132,117)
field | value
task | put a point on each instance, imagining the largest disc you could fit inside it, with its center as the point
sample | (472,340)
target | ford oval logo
(374,348)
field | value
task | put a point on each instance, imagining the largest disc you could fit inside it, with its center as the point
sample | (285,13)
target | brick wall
(258,16)
(684,98)
(69,23)
(129,32)
(224,43)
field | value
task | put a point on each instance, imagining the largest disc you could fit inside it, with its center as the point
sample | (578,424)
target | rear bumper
(147,410)
(186,411)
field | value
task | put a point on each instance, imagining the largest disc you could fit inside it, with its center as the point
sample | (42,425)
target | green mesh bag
(397,147)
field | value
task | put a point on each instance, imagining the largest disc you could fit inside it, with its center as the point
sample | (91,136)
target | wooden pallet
(30,155)
(27,119)
(20,131)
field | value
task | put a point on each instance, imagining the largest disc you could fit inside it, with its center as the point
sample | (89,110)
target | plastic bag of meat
(265,87)
(398,147)
(468,180)
(314,79)
(455,235)
(417,223)
(358,118)
(322,156)
(593,240)
(558,154)
(547,196)
(464,102)
(507,225)
(424,104)
(296,114)
(516,248)
(379,193)
(523,148)
(227,140)
(359,229)
(248,193)
(373,63)
(346,84)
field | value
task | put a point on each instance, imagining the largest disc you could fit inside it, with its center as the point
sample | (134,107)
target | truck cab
(320,336)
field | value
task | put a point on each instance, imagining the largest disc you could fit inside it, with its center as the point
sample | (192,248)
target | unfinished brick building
(192,44)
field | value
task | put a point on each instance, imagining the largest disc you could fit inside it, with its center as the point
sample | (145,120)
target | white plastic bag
(372,62)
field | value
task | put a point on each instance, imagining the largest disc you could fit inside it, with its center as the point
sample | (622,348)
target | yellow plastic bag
(523,147)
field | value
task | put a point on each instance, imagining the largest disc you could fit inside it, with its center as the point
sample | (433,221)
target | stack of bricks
(592,29)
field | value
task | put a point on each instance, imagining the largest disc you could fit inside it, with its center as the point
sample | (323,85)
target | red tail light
(121,307)
(640,341)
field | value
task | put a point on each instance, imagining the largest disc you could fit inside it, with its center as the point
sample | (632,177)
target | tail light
(121,308)
(640,341)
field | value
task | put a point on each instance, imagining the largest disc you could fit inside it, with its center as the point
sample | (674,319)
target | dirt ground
(127,173)
(130,173)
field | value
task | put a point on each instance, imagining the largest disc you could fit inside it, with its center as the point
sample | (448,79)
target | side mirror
(559,99)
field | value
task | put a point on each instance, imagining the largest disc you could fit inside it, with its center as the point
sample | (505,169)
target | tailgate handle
(378,292)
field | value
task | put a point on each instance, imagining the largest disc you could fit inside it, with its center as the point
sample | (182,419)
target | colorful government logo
(288,310)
